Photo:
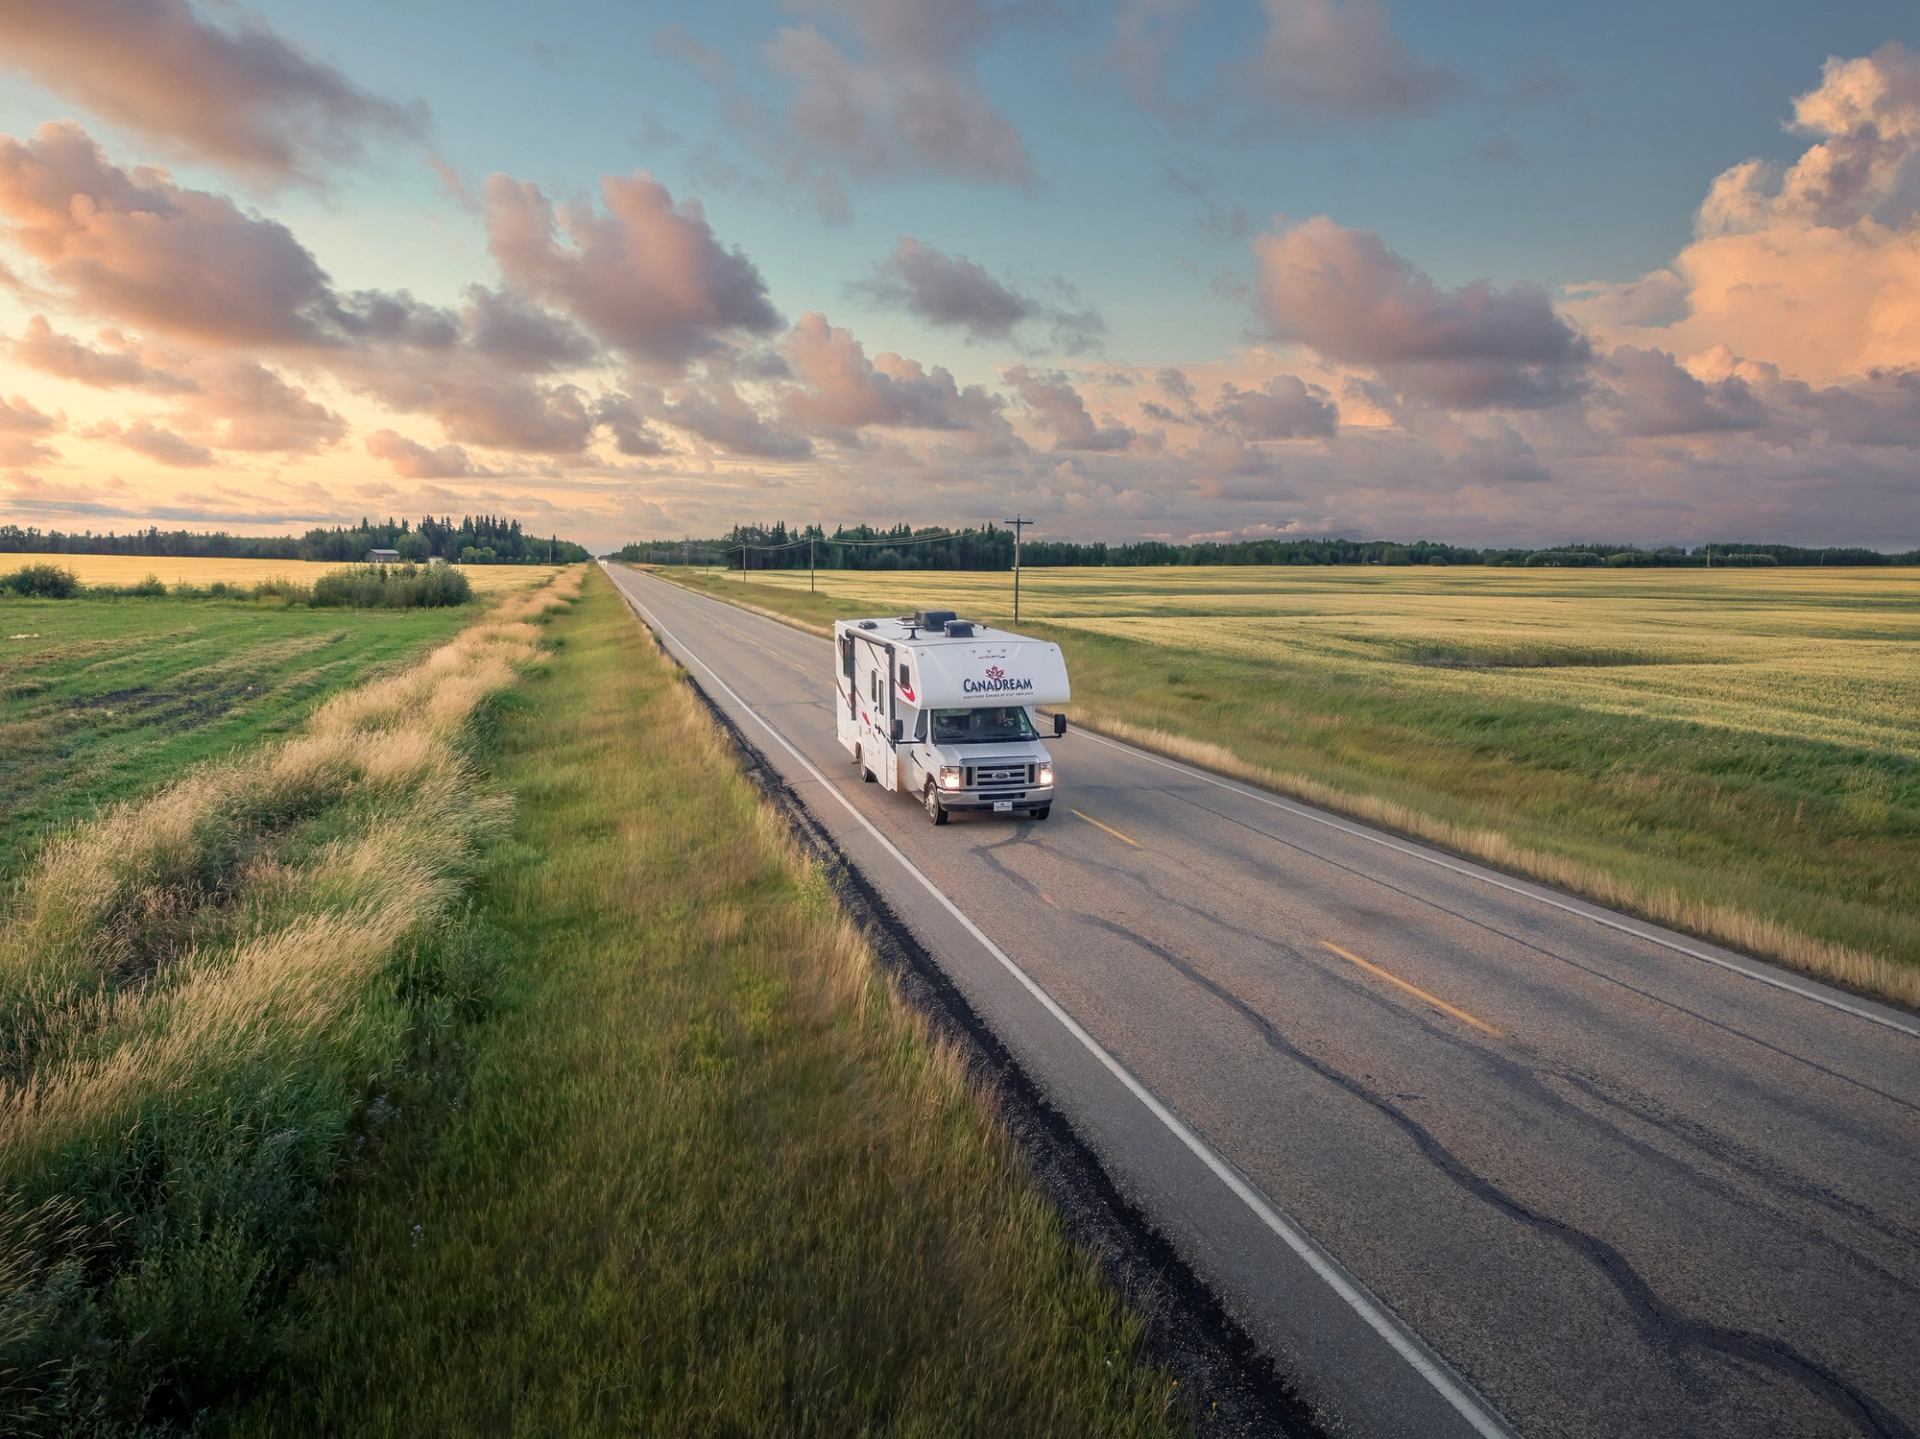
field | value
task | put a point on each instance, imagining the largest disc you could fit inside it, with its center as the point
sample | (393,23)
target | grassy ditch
(204,995)
(1735,754)
(707,1175)
(101,700)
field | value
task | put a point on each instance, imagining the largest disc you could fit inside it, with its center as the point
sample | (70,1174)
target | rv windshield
(995,725)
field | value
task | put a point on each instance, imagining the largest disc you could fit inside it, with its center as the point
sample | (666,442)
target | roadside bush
(1745,561)
(392,587)
(277,588)
(46,582)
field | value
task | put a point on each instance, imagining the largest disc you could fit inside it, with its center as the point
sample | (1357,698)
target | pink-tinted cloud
(648,277)
(1285,408)
(1347,296)
(522,336)
(715,411)
(1341,58)
(238,95)
(524,418)
(240,404)
(45,349)
(414,461)
(1646,392)
(839,389)
(1814,269)
(905,104)
(19,416)
(1057,407)
(951,291)
(136,247)
(156,442)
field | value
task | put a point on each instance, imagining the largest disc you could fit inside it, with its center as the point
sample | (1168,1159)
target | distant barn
(383,557)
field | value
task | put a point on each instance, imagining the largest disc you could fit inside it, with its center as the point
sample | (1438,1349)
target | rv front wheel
(936,811)
(1042,812)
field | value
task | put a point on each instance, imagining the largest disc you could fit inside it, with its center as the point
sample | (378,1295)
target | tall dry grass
(197,991)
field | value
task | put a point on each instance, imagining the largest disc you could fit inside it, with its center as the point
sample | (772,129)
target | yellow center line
(1413,989)
(1124,839)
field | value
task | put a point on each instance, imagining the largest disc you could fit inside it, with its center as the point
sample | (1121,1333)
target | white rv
(945,710)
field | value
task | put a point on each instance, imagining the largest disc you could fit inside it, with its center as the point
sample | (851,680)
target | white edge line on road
(1403,1343)
(1526,891)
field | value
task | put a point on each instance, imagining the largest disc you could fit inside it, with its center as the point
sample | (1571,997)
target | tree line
(990,547)
(472,540)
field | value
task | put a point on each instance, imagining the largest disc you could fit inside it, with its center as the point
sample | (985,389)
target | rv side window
(846,655)
(905,678)
(873,686)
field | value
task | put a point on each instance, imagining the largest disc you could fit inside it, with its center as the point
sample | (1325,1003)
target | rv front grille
(990,777)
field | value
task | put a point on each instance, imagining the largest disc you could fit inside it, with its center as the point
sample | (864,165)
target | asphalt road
(1467,1156)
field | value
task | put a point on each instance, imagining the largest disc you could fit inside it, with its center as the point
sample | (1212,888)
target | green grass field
(1734,752)
(705,1176)
(101,699)
(480,1056)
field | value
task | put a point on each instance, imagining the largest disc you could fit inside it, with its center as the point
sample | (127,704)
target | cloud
(716,412)
(839,389)
(1648,393)
(156,442)
(1285,408)
(647,277)
(45,349)
(1059,410)
(19,417)
(135,246)
(520,335)
(1347,296)
(1341,59)
(240,404)
(953,292)
(239,96)
(905,105)
(1866,113)
(509,415)
(414,461)
(1814,268)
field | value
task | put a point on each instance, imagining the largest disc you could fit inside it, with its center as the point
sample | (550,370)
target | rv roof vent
(959,630)
(933,619)
(868,625)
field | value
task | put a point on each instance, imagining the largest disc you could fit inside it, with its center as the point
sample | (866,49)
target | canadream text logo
(996,682)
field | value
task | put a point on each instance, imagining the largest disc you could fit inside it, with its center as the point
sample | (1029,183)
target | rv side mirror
(899,730)
(1059,725)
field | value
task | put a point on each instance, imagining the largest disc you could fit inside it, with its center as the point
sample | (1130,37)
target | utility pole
(1018,525)
(809,564)
(743,559)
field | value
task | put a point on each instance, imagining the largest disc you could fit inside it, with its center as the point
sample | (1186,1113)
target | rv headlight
(1044,775)
(949,776)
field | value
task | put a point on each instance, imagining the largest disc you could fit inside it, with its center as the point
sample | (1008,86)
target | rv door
(874,699)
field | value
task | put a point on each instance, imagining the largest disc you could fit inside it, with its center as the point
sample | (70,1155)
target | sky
(1495,273)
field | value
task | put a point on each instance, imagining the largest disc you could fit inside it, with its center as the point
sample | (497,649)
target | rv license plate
(1003,806)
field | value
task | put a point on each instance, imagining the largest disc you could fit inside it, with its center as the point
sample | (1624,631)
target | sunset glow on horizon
(1156,269)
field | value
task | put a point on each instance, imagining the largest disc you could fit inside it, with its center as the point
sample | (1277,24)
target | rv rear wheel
(936,811)
(860,759)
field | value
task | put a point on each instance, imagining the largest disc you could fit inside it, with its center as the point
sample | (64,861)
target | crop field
(100,699)
(1734,752)
(187,569)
